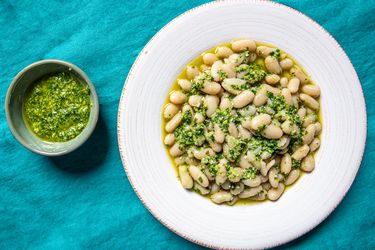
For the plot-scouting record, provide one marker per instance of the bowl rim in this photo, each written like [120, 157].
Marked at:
[90, 127]
[120, 115]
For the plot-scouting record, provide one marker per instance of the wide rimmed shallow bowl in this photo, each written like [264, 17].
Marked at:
[314, 196]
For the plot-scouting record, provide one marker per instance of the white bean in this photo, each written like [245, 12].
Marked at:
[287, 96]
[173, 123]
[272, 79]
[221, 176]
[219, 135]
[308, 163]
[243, 44]
[192, 72]
[215, 188]
[228, 84]
[223, 52]
[273, 177]
[260, 121]
[301, 152]
[198, 117]
[309, 101]
[299, 74]
[286, 64]
[272, 132]
[243, 99]
[200, 153]
[186, 180]
[215, 70]
[309, 134]
[252, 182]
[314, 145]
[170, 110]
[248, 192]
[238, 188]
[209, 58]
[243, 132]
[232, 129]
[264, 51]
[243, 162]
[229, 69]
[311, 90]
[198, 176]
[309, 119]
[175, 150]
[177, 97]
[221, 196]
[235, 177]
[293, 85]
[318, 128]
[195, 100]
[266, 167]
[211, 88]
[272, 65]
[260, 99]
[286, 164]
[200, 189]
[284, 82]
[274, 193]
[169, 139]
[216, 146]
[184, 84]
[212, 103]
[225, 103]
[292, 177]
[301, 112]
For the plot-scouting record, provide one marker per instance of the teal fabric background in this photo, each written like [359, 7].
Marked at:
[84, 200]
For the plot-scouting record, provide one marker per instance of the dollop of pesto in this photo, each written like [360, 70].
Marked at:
[57, 107]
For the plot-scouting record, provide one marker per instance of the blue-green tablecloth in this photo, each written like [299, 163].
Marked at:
[84, 200]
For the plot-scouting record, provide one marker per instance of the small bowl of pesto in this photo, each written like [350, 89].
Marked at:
[52, 107]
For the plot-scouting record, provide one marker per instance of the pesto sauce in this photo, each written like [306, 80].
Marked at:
[57, 107]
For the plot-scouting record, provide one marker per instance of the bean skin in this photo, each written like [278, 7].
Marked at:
[309, 101]
[275, 193]
[272, 65]
[243, 44]
[223, 52]
[186, 180]
[243, 99]
[173, 123]
[221, 197]
[170, 110]
[198, 176]
[192, 72]
[209, 59]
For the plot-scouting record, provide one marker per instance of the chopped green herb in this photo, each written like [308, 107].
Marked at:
[254, 72]
[296, 163]
[249, 173]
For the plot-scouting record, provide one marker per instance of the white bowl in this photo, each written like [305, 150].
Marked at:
[313, 197]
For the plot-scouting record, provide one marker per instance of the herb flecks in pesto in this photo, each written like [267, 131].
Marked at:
[254, 72]
[57, 107]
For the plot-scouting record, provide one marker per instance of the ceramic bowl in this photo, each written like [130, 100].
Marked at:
[313, 197]
[14, 104]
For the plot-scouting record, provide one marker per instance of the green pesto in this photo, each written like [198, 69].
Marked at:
[254, 72]
[57, 107]
[250, 173]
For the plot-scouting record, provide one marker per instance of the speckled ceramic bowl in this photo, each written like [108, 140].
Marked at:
[14, 103]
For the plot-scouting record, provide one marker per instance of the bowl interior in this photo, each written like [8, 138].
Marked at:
[14, 106]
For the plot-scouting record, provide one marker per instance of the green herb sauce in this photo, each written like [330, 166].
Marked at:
[57, 107]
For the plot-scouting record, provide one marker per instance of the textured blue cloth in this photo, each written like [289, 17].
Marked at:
[84, 200]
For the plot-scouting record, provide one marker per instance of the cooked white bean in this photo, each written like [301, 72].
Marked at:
[308, 163]
[215, 188]
[177, 97]
[286, 64]
[272, 132]
[243, 99]
[301, 112]
[175, 150]
[212, 103]
[216, 146]
[264, 51]
[301, 152]
[187, 107]
[198, 117]
[221, 196]
[273, 177]
[229, 69]
[292, 177]
[200, 189]
[318, 128]
[309, 101]
[314, 145]
[225, 103]
[219, 135]
[173, 123]
[260, 121]
[266, 167]
[170, 110]
[309, 134]
[243, 132]
[179, 160]
[169, 139]
[196, 100]
[272, 79]
[228, 84]
[192, 72]
[199, 153]
[286, 164]
[184, 84]
[215, 70]
[204, 67]
[221, 176]
[299, 74]
[311, 90]
[259, 197]
[236, 176]
[198, 176]
[243, 44]
[223, 51]
[260, 99]
[274, 193]
[249, 192]
[252, 182]
[285, 92]
[272, 65]
[232, 129]
[209, 58]
[238, 188]
[287, 127]
[284, 82]
[211, 88]
[268, 88]
[293, 85]
[186, 180]
[243, 162]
